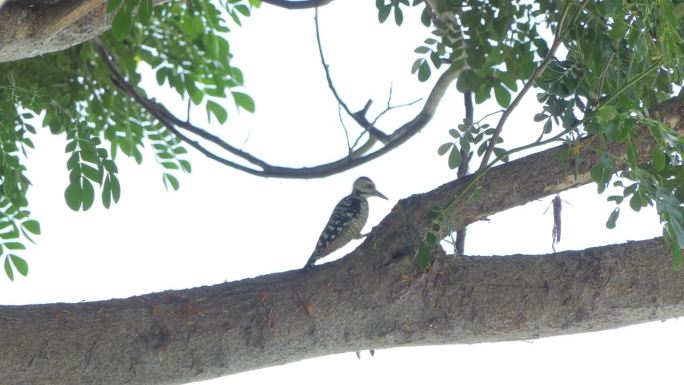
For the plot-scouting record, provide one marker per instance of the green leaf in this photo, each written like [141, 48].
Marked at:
[383, 13]
[632, 155]
[185, 165]
[20, 264]
[169, 165]
[423, 255]
[32, 226]
[116, 188]
[398, 15]
[244, 101]
[635, 202]
[503, 97]
[658, 159]
[112, 4]
[14, 246]
[145, 11]
[673, 244]
[122, 23]
[92, 173]
[170, 179]
[72, 195]
[106, 193]
[612, 218]
[8, 269]
[430, 238]
[422, 50]
[215, 109]
[454, 158]
[616, 198]
[500, 153]
[88, 194]
[424, 71]
[444, 148]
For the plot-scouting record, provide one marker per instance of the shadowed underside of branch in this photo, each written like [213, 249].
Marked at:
[375, 297]
[49, 26]
[190, 335]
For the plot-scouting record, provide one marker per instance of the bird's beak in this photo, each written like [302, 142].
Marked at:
[379, 194]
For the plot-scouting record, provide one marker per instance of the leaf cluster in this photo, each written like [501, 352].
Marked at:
[72, 93]
[619, 59]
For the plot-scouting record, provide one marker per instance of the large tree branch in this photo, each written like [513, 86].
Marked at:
[191, 335]
[26, 32]
[32, 28]
[374, 298]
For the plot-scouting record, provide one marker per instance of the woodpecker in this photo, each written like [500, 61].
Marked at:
[346, 220]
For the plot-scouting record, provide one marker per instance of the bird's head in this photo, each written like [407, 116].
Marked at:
[365, 187]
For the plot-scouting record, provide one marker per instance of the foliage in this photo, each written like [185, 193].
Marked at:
[599, 67]
[72, 92]
[620, 59]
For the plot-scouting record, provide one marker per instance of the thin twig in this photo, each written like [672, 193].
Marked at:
[557, 40]
[389, 108]
[344, 127]
[463, 167]
[360, 116]
[173, 124]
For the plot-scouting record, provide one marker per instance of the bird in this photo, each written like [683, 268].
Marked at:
[346, 221]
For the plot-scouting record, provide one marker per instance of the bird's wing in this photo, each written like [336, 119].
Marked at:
[337, 231]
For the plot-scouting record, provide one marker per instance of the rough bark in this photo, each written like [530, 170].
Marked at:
[30, 28]
[373, 298]
[190, 335]
[28, 31]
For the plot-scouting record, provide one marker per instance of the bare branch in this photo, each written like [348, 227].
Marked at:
[360, 116]
[389, 107]
[344, 127]
[264, 169]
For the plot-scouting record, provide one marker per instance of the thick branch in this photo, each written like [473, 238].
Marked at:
[191, 335]
[374, 298]
[512, 184]
[31, 31]
[28, 31]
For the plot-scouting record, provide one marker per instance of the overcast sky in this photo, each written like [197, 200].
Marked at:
[223, 225]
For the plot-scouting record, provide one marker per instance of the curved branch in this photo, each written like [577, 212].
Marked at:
[359, 116]
[303, 4]
[264, 169]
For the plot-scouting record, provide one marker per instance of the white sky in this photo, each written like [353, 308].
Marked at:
[215, 228]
